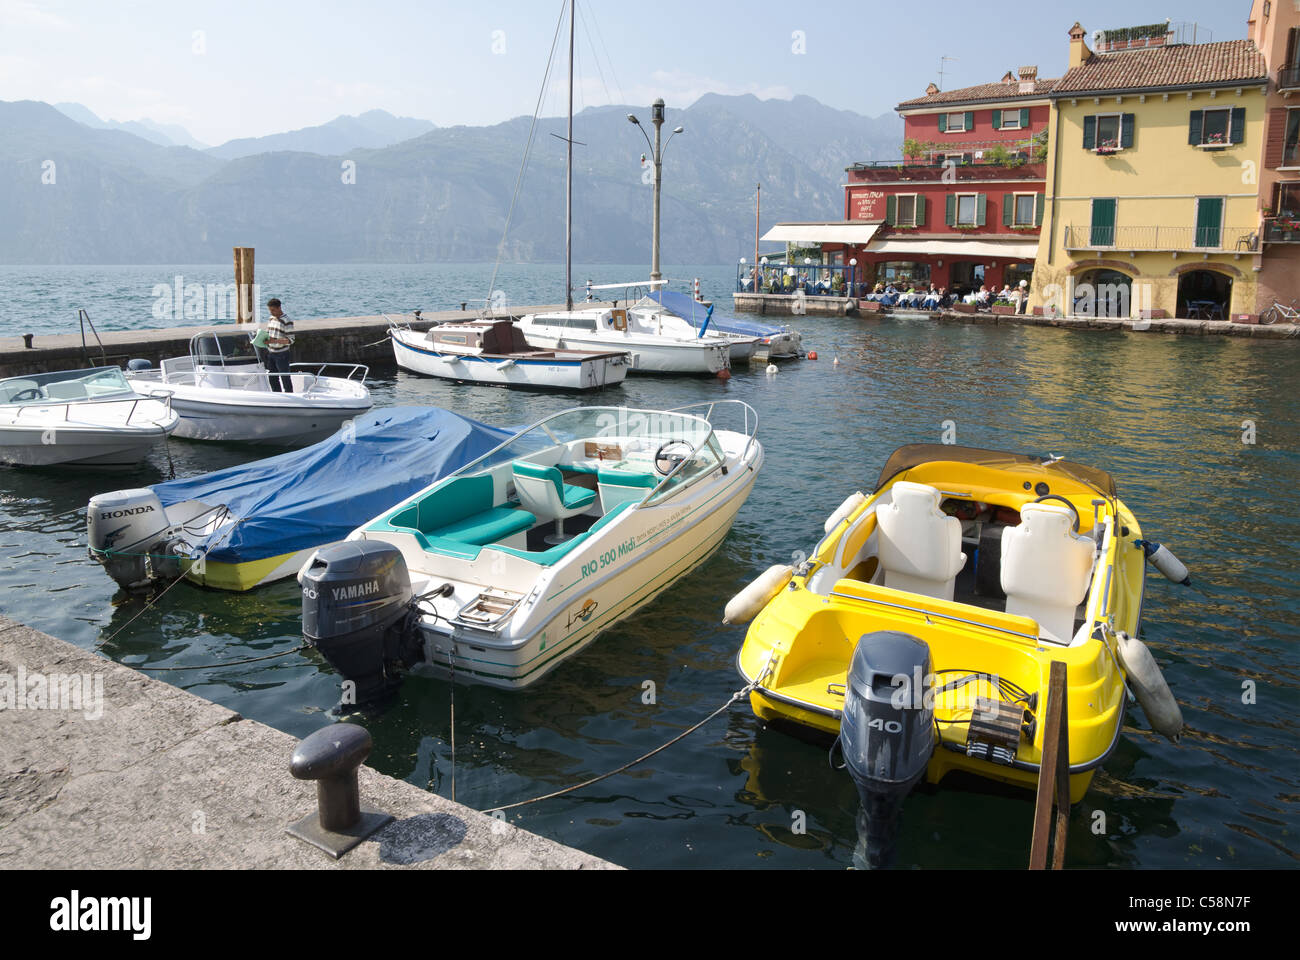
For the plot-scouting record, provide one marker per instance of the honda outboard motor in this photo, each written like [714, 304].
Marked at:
[886, 731]
[356, 609]
[128, 532]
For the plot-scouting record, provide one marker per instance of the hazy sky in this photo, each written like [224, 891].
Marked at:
[235, 68]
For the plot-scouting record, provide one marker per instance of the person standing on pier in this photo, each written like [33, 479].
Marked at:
[279, 343]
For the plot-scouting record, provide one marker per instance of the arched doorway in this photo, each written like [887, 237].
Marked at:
[1204, 295]
[1103, 293]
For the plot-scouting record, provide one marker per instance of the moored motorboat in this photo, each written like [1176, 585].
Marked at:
[494, 352]
[507, 567]
[923, 627]
[775, 342]
[223, 392]
[256, 523]
[88, 417]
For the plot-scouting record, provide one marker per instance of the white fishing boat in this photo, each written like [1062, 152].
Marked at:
[658, 340]
[88, 417]
[516, 562]
[223, 392]
[495, 352]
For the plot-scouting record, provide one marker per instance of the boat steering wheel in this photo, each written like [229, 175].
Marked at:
[31, 393]
[1057, 496]
[664, 456]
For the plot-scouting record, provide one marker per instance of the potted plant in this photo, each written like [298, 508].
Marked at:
[1107, 147]
[1004, 308]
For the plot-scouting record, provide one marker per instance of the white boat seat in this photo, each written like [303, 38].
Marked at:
[543, 492]
[920, 546]
[1046, 569]
[67, 390]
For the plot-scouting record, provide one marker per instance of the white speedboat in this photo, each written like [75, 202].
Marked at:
[508, 566]
[658, 339]
[223, 392]
[494, 352]
[86, 417]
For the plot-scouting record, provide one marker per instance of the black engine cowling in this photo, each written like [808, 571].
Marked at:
[887, 730]
[357, 610]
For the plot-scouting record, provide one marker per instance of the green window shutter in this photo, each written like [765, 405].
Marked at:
[891, 209]
[920, 211]
[997, 119]
[1103, 222]
[1024, 118]
[943, 123]
[1238, 125]
[981, 203]
[950, 214]
[970, 120]
[1089, 133]
[1039, 205]
[1126, 124]
[1008, 203]
[1194, 127]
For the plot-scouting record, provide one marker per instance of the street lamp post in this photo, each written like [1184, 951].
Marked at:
[657, 153]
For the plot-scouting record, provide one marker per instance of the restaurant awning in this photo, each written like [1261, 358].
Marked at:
[1017, 250]
[835, 232]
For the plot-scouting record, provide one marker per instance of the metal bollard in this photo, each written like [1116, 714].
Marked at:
[27, 341]
[331, 756]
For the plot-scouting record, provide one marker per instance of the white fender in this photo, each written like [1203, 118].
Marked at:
[1149, 686]
[505, 364]
[851, 503]
[1163, 559]
[744, 606]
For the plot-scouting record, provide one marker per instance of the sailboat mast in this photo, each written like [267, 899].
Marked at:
[568, 212]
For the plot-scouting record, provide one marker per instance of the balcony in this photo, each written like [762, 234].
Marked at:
[1125, 239]
[924, 172]
[1288, 78]
[1282, 229]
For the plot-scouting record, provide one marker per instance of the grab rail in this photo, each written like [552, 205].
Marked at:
[352, 368]
[708, 416]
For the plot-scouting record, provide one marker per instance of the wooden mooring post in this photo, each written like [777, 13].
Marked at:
[244, 286]
[1052, 807]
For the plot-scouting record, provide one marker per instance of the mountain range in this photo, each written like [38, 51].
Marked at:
[379, 188]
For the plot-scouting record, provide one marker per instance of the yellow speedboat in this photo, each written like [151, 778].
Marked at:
[923, 626]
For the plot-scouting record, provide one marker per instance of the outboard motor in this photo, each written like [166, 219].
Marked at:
[357, 610]
[886, 732]
[128, 532]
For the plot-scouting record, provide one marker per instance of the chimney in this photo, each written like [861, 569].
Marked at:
[1079, 52]
[1028, 78]
[1009, 78]
[931, 90]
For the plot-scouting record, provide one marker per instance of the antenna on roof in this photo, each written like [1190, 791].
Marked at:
[942, 61]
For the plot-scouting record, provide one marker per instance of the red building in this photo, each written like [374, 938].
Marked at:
[965, 205]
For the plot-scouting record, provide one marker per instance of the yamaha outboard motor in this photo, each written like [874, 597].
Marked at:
[357, 610]
[128, 532]
[886, 732]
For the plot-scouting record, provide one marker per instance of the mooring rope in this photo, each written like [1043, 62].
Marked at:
[744, 691]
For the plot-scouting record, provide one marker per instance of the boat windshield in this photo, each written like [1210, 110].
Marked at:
[97, 383]
[912, 455]
[610, 433]
[223, 349]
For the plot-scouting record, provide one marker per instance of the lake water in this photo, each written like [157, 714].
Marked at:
[1164, 414]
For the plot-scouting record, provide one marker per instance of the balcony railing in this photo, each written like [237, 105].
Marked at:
[935, 172]
[1162, 239]
[1282, 230]
[1288, 78]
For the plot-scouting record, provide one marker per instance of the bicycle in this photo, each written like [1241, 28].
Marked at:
[1280, 312]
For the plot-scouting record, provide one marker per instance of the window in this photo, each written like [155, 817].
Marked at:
[903, 271]
[1291, 145]
[1026, 207]
[1209, 222]
[1288, 200]
[1108, 132]
[1103, 222]
[956, 123]
[1214, 128]
[966, 209]
[1010, 120]
[906, 215]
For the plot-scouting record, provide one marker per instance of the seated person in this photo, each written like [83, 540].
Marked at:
[931, 301]
[984, 298]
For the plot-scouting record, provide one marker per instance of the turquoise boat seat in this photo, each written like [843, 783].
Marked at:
[555, 554]
[572, 497]
[458, 518]
[627, 478]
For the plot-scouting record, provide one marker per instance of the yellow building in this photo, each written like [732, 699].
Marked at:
[1152, 178]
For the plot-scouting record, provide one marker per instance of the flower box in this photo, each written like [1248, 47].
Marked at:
[1004, 309]
[870, 306]
[964, 307]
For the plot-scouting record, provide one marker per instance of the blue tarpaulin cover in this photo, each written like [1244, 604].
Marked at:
[314, 496]
[688, 308]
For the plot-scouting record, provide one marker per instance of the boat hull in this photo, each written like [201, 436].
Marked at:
[685, 356]
[412, 353]
[76, 447]
[252, 422]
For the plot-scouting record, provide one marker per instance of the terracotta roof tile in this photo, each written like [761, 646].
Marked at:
[983, 93]
[1179, 65]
